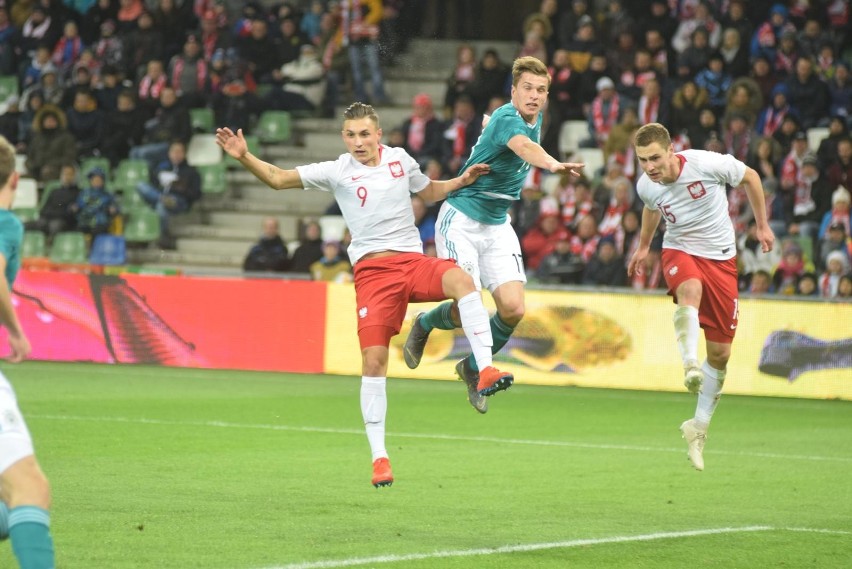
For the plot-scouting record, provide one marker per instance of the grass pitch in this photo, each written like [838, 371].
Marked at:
[172, 468]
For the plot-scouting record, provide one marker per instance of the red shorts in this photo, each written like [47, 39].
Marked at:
[384, 286]
[719, 309]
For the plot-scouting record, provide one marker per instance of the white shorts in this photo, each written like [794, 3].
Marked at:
[491, 254]
[15, 440]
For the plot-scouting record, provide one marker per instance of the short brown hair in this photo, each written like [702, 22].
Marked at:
[361, 111]
[529, 64]
[652, 132]
[7, 160]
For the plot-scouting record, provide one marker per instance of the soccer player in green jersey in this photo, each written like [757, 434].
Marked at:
[474, 228]
[24, 492]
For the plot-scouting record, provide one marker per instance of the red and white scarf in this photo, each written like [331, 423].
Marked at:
[200, 73]
[417, 133]
[149, 89]
[603, 123]
[649, 110]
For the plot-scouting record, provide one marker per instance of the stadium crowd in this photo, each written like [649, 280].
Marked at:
[118, 78]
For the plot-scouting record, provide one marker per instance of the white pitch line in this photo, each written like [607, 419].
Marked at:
[432, 436]
[356, 561]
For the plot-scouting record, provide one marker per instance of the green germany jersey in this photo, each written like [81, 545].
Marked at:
[11, 235]
[489, 198]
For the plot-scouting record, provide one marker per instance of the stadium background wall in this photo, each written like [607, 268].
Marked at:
[589, 339]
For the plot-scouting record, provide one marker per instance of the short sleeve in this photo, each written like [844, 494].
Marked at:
[318, 176]
[506, 126]
[417, 179]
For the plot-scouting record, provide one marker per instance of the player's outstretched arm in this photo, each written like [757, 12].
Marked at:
[18, 341]
[273, 176]
[438, 190]
[650, 221]
[534, 154]
[754, 191]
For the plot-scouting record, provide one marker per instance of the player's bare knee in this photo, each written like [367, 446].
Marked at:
[24, 484]
[512, 312]
[689, 292]
[457, 284]
[374, 363]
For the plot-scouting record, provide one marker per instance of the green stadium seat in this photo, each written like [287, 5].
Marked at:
[46, 191]
[273, 127]
[213, 179]
[8, 86]
[128, 173]
[202, 120]
[130, 200]
[33, 244]
[69, 247]
[142, 226]
[26, 214]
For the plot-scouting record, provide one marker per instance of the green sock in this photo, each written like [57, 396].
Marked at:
[500, 332]
[29, 530]
[4, 521]
[440, 317]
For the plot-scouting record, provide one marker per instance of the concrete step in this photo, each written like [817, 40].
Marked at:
[295, 201]
[214, 232]
[403, 91]
[430, 54]
[180, 259]
[228, 247]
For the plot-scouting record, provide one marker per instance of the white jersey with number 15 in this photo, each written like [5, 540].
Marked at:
[375, 200]
[695, 206]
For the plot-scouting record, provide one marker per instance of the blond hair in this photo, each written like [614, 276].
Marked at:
[529, 64]
[361, 111]
[651, 133]
[7, 160]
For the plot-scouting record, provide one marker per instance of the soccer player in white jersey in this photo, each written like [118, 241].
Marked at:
[689, 190]
[373, 184]
[24, 490]
[474, 228]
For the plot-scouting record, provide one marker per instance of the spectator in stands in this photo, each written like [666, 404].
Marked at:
[736, 136]
[491, 77]
[619, 203]
[303, 83]
[836, 239]
[716, 80]
[598, 69]
[840, 171]
[39, 29]
[541, 239]
[584, 241]
[332, 266]
[211, 37]
[605, 112]
[56, 214]
[129, 13]
[68, 48]
[188, 73]
[463, 75]
[40, 61]
[786, 55]
[807, 285]
[124, 128]
[173, 21]
[839, 213]
[173, 188]
[51, 146]
[771, 117]
[707, 129]
[309, 249]
[763, 74]
[793, 265]
[8, 32]
[424, 219]
[734, 53]
[95, 207]
[561, 266]
[32, 103]
[461, 133]
[764, 157]
[605, 268]
[837, 131]
[844, 288]
[812, 38]
[258, 49]
[144, 43]
[583, 44]
[361, 34]
[686, 105]
[86, 123]
[171, 122]
[108, 88]
[290, 40]
[836, 265]
[10, 116]
[335, 59]
[808, 94]
[95, 15]
[234, 104]
[151, 86]
[761, 283]
[751, 257]
[788, 131]
[564, 102]
[269, 254]
[310, 22]
[423, 131]
[768, 35]
[696, 56]
[569, 21]
[840, 92]
[744, 98]
[812, 197]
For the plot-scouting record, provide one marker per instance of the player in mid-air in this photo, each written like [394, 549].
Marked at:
[24, 490]
[689, 190]
[474, 228]
[373, 184]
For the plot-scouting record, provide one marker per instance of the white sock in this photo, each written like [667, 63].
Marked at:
[374, 408]
[711, 391]
[686, 330]
[476, 327]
